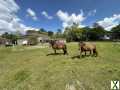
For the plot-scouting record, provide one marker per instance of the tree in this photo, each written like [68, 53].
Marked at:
[59, 31]
[9, 36]
[116, 32]
[50, 33]
[18, 34]
[42, 30]
[58, 34]
[86, 33]
[74, 33]
[5, 35]
[96, 33]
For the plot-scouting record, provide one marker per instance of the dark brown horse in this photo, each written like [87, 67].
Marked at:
[58, 45]
[90, 47]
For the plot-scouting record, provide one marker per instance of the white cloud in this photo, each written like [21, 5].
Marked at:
[31, 13]
[110, 22]
[68, 19]
[9, 21]
[92, 12]
[45, 14]
[8, 6]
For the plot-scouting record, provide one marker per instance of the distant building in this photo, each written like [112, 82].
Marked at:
[41, 38]
[2, 41]
[22, 41]
[106, 37]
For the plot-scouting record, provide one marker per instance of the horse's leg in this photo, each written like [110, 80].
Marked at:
[85, 53]
[90, 52]
[81, 53]
[55, 51]
[65, 50]
[95, 52]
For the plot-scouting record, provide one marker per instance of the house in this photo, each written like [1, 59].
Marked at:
[28, 39]
[43, 38]
[22, 41]
[2, 41]
[105, 37]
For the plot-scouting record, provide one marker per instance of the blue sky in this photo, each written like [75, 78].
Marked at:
[55, 14]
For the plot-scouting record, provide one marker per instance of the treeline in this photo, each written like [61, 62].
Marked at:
[95, 33]
[72, 33]
[75, 33]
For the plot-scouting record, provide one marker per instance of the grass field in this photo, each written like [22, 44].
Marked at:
[37, 69]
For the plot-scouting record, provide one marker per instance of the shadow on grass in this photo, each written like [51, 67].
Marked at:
[52, 54]
[78, 56]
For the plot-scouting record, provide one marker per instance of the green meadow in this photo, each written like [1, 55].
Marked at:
[23, 68]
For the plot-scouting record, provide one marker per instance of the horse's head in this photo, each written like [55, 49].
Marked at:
[81, 43]
[51, 42]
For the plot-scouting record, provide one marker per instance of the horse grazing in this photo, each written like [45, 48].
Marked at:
[86, 46]
[57, 45]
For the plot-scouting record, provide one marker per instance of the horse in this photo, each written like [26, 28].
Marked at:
[86, 46]
[58, 45]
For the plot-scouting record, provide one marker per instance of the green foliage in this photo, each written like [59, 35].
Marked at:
[59, 31]
[116, 29]
[59, 34]
[10, 36]
[43, 31]
[50, 33]
[116, 32]
[96, 33]
[74, 33]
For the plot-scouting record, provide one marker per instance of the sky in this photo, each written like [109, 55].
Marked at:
[22, 15]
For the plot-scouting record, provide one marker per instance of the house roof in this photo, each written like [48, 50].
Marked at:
[36, 35]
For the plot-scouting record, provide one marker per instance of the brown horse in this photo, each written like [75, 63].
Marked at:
[58, 45]
[85, 46]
